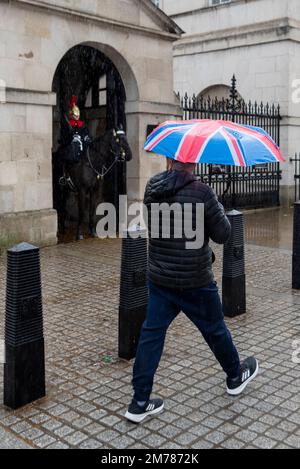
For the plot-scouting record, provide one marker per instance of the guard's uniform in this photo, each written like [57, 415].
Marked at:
[74, 135]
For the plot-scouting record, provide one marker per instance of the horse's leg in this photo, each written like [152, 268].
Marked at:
[63, 212]
[81, 206]
[92, 213]
[58, 192]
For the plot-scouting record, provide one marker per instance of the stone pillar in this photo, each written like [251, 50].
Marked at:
[26, 205]
[139, 116]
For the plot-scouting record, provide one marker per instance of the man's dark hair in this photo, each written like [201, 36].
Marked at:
[179, 166]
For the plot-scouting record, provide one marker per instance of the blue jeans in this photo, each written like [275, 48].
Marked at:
[203, 307]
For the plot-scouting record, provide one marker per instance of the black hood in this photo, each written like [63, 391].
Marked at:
[167, 184]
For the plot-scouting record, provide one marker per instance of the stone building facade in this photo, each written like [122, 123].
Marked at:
[259, 41]
[35, 35]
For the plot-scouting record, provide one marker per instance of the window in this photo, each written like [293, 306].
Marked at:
[102, 91]
[97, 96]
[89, 102]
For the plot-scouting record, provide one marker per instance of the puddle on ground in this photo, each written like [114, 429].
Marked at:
[273, 228]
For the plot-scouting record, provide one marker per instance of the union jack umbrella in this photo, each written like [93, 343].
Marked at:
[214, 142]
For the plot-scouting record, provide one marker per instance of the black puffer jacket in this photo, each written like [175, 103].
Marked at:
[170, 263]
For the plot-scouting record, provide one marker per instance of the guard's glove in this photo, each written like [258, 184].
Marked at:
[87, 140]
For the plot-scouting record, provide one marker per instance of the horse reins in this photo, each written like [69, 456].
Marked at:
[101, 175]
[104, 172]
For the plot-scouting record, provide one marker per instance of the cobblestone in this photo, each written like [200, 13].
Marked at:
[293, 441]
[264, 443]
[216, 437]
[8, 441]
[108, 435]
[32, 434]
[122, 442]
[185, 439]
[233, 443]
[75, 438]
[58, 445]
[247, 436]
[51, 424]
[45, 441]
[90, 444]
[87, 396]
[154, 441]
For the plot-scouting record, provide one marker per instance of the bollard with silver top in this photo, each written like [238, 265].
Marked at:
[296, 247]
[234, 278]
[24, 368]
[133, 291]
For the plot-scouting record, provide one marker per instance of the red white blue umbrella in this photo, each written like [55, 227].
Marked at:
[214, 142]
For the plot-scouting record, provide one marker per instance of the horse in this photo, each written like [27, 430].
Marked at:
[86, 176]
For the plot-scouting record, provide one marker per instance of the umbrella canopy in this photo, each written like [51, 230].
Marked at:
[214, 142]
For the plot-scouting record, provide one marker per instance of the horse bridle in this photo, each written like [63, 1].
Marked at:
[101, 175]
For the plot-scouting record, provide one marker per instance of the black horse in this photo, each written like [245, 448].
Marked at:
[86, 176]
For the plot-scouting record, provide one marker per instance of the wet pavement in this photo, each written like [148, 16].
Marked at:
[272, 228]
[88, 386]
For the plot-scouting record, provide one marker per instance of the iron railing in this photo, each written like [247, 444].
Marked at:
[254, 187]
[296, 161]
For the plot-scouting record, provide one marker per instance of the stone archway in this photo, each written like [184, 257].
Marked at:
[216, 91]
[126, 73]
[88, 73]
[93, 78]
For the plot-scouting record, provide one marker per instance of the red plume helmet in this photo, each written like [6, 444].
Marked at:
[73, 102]
[74, 109]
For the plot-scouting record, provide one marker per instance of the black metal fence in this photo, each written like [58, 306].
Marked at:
[254, 187]
[296, 161]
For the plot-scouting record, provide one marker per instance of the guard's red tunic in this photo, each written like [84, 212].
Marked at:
[76, 124]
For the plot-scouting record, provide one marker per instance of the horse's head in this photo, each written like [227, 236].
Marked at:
[120, 146]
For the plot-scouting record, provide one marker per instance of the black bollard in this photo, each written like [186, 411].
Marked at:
[133, 292]
[296, 247]
[234, 278]
[24, 368]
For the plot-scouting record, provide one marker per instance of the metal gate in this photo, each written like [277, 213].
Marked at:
[255, 187]
[296, 160]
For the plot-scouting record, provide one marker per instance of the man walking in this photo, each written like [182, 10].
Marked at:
[181, 279]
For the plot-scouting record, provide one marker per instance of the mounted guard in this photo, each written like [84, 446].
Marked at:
[82, 165]
[75, 137]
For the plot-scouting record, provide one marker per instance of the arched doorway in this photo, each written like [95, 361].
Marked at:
[218, 92]
[92, 77]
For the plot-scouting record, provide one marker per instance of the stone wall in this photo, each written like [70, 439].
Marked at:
[38, 226]
[33, 40]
